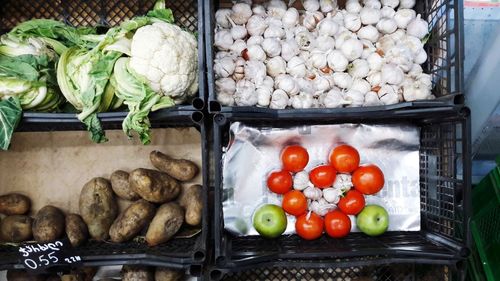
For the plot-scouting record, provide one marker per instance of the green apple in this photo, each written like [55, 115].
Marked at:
[373, 220]
[270, 221]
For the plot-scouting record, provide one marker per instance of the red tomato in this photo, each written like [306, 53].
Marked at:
[352, 203]
[337, 224]
[311, 228]
[323, 176]
[280, 182]
[344, 158]
[294, 203]
[294, 158]
[368, 179]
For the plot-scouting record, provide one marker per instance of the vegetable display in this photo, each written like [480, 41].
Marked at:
[324, 197]
[367, 53]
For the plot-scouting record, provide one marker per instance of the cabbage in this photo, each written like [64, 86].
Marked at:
[10, 114]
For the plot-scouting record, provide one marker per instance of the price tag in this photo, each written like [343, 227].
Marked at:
[40, 256]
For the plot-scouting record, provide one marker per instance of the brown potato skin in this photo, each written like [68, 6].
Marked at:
[16, 228]
[14, 204]
[48, 224]
[131, 221]
[191, 200]
[167, 274]
[166, 223]
[98, 207]
[137, 273]
[179, 169]
[121, 186]
[76, 230]
[21, 275]
[154, 186]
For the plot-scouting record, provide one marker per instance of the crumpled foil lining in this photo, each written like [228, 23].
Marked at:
[253, 152]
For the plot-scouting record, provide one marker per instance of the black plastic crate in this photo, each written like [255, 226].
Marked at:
[182, 253]
[188, 15]
[444, 50]
[345, 270]
[444, 186]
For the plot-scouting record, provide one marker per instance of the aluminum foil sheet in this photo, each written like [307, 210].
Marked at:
[253, 152]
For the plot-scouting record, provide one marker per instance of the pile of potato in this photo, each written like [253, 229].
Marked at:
[128, 273]
[159, 202]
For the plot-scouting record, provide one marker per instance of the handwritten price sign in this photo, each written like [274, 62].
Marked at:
[37, 257]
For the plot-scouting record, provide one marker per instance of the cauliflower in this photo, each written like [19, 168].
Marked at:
[167, 57]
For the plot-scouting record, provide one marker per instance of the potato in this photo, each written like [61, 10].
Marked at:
[21, 275]
[121, 186]
[167, 274]
[76, 229]
[191, 200]
[16, 228]
[165, 224]
[154, 186]
[14, 204]
[137, 273]
[98, 207]
[131, 221]
[48, 224]
[180, 169]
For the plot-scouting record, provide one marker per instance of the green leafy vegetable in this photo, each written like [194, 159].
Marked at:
[10, 114]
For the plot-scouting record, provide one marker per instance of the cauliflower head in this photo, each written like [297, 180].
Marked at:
[167, 57]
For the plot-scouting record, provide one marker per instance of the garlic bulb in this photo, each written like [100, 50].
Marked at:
[259, 10]
[337, 61]
[313, 193]
[225, 99]
[342, 80]
[327, 6]
[352, 49]
[289, 49]
[223, 39]
[306, 86]
[268, 82]
[374, 4]
[255, 71]
[238, 46]
[264, 96]
[321, 207]
[385, 43]
[368, 48]
[406, 4]
[415, 70]
[290, 18]
[361, 85]
[302, 101]
[239, 70]
[352, 22]
[334, 99]
[369, 15]
[332, 195]
[272, 47]
[371, 99]
[391, 74]
[369, 33]
[353, 6]
[390, 3]
[222, 54]
[404, 16]
[311, 20]
[418, 28]
[387, 26]
[421, 57]
[245, 93]
[328, 27]
[343, 182]
[387, 12]
[224, 67]
[296, 67]
[301, 180]
[324, 43]
[241, 13]
[225, 89]
[274, 21]
[318, 59]
[255, 40]
[374, 78]
[256, 25]
[311, 5]
[413, 44]
[288, 84]
[276, 9]
[375, 61]
[237, 31]
[304, 39]
[279, 100]
[322, 83]
[221, 18]
[398, 35]
[276, 66]
[388, 94]
[359, 68]
[342, 37]
[254, 52]
[401, 56]
[274, 31]
[414, 90]
[355, 98]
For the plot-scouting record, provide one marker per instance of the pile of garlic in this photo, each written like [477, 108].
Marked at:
[275, 56]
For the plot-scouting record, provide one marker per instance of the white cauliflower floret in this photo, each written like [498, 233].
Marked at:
[167, 57]
[343, 182]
